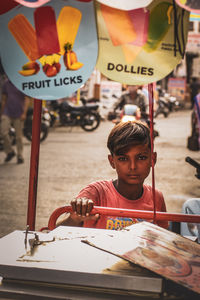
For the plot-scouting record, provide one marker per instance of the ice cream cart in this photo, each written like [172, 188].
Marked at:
[139, 262]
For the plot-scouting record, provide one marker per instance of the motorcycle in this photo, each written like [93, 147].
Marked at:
[117, 106]
[163, 106]
[174, 104]
[167, 103]
[86, 116]
[45, 124]
[130, 112]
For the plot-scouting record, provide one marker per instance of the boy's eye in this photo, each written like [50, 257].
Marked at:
[142, 157]
[122, 158]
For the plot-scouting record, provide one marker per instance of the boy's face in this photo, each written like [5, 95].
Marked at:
[134, 165]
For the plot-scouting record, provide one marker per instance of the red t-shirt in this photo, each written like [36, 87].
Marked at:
[103, 193]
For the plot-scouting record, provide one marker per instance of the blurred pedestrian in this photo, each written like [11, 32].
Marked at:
[194, 86]
[14, 105]
[197, 112]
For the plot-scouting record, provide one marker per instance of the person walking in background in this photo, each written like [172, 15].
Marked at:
[14, 105]
[194, 86]
[197, 114]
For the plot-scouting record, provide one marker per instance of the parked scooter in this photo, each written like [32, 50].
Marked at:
[86, 116]
[174, 103]
[163, 107]
[167, 103]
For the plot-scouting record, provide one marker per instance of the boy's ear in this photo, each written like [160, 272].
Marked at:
[110, 158]
[155, 157]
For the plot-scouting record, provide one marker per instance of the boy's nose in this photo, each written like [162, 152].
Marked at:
[133, 164]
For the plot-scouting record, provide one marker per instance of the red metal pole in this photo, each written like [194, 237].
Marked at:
[144, 214]
[34, 163]
[151, 104]
[131, 213]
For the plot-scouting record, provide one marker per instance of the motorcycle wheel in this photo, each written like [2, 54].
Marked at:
[90, 121]
[43, 133]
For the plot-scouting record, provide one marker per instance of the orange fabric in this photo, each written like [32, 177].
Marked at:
[103, 193]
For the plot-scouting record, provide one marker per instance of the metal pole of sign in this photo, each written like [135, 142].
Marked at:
[34, 163]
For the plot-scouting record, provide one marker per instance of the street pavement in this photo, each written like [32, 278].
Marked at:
[70, 158]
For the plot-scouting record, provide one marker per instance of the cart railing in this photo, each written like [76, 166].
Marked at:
[131, 213]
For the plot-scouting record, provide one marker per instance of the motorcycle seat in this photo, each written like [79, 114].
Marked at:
[92, 106]
[84, 107]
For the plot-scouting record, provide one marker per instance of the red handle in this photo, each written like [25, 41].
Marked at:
[131, 213]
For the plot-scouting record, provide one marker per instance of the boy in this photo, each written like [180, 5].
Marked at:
[130, 155]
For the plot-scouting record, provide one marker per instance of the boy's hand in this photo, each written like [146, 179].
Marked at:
[82, 208]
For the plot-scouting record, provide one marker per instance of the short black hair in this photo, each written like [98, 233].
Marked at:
[126, 134]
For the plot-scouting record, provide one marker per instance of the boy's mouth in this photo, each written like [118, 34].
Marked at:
[133, 175]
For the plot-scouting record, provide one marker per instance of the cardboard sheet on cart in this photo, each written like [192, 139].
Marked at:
[63, 258]
[156, 249]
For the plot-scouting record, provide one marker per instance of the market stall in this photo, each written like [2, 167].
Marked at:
[135, 43]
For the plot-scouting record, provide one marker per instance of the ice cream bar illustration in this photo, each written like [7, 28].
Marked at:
[119, 25]
[25, 35]
[159, 23]
[46, 30]
[140, 21]
[68, 23]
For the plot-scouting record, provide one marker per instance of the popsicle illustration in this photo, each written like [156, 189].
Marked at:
[119, 25]
[140, 20]
[25, 35]
[46, 30]
[67, 25]
[159, 23]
